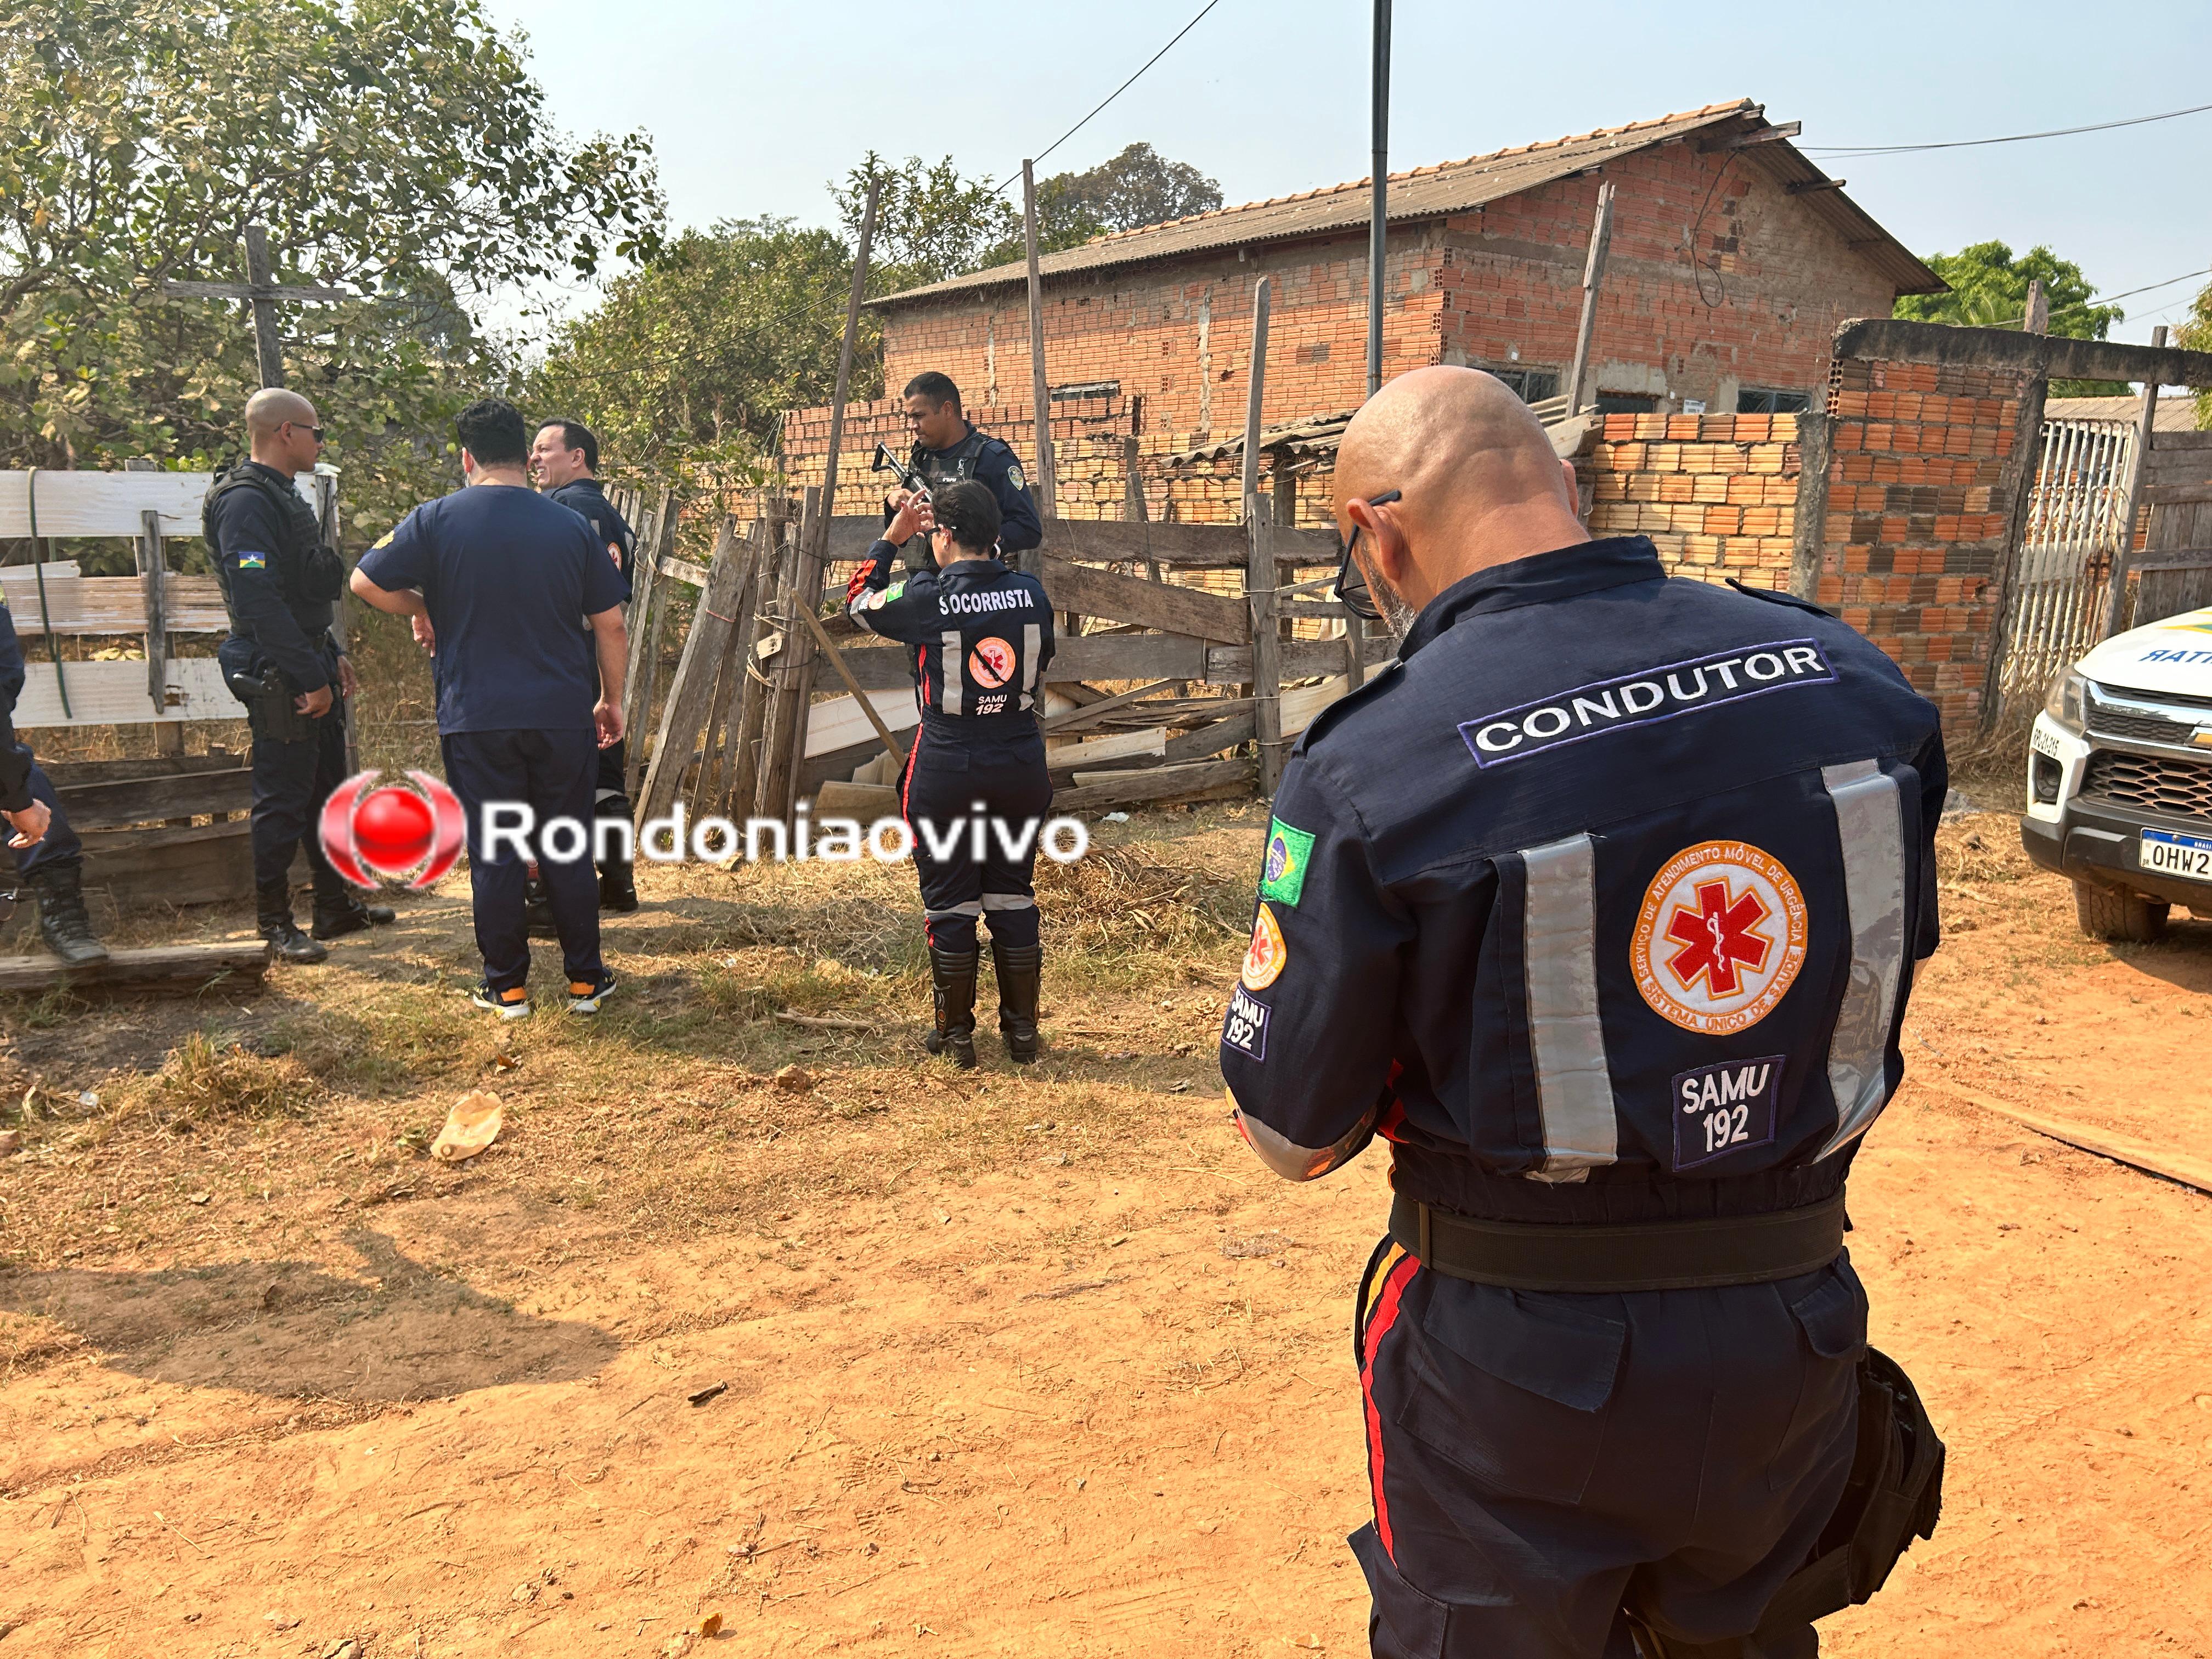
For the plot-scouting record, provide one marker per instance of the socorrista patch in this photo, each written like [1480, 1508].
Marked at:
[1644, 697]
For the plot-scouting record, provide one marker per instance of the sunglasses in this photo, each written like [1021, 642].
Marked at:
[314, 432]
[1352, 589]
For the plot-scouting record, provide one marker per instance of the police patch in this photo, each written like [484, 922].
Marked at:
[252, 562]
[1246, 1028]
[1266, 958]
[1723, 1108]
[1644, 698]
[1289, 852]
[1014, 475]
[1720, 938]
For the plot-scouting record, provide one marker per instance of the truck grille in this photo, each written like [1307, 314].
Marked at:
[2156, 783]
[2143, 728]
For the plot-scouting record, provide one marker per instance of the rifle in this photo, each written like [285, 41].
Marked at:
[885, 461]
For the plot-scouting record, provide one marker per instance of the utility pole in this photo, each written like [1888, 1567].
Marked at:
[1378, 214]
[1048, 477]
[262, 292]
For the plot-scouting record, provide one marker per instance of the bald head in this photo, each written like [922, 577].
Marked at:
[282, 430]
[1478, 480]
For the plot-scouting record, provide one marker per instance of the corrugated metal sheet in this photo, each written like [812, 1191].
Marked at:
[1438, 192]
[2175, 413]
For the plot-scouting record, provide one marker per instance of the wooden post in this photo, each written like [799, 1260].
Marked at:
[2038, 320]
[1259, 578]
[1378, 213]
[1593, 274]
[1134, 507]
[326, 521]
[1048, 477]
[692, 688]
[755, 692]
[646, 607]
[153, 567]
[845, 351]
[837, 661]
[268, 346]
[1257, 388]
[773, 797]
[2124, 555]
[713, 744]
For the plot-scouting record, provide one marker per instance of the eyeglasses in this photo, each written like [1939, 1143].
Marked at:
[1352, 589]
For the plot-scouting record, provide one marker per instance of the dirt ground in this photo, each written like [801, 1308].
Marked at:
[1007, 1363]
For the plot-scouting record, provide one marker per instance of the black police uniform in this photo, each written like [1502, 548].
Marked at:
[281, 584]
[982, 636]
[1601, 906]
[992, 464]
[52, 867]
[610, 796]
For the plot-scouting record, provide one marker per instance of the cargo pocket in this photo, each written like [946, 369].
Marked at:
[1406, 1623]
[1831, 1319]
[1513, 1388]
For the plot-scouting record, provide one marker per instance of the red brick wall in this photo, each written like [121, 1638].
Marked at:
[1917, 519]
[1716, 494]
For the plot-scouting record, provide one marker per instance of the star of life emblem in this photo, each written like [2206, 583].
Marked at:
[1720, 938]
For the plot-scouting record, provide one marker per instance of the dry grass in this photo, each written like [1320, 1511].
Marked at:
[209, 1078]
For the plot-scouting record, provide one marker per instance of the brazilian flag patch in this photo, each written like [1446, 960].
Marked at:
[893, 591]
[1283, 878]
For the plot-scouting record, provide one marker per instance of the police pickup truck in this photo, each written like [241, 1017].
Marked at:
[2119, 779]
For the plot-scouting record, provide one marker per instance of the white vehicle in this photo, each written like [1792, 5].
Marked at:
[2119, 779]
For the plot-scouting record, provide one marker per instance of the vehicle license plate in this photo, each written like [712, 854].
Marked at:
[2169, 854]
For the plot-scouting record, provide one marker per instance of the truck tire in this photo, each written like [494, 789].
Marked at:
[2115, 915]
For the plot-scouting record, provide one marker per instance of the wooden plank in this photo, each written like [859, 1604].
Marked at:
[1095, 656]
[186, 795]
[1160, 785]
[1593, 279]
[676, 565]
[69, 774]
[730, 672]
[2187, 558]
[1077, 718]
[1164, 606]
[782, 735]
[1119, 541]
[115, 604]
[693, 686]
[1116, 746]
[1267, 651]
[1231, 664]
[862, 702]
[2116, 586]
[647, 608]
[114, 692]
[2195, 493]
[837, 723]
[89, 504]
[239, 965]
[1212, 738]
[209, 865]
[2180, 1166]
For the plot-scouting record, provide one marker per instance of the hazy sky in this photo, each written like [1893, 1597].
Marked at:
[753, 107]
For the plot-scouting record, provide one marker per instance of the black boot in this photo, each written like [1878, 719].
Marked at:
[274, 900]
[952, 989]
[618, 888]
[338, 913]
[1020, 968]
[62, 920]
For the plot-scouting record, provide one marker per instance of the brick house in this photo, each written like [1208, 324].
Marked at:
[1733, 260]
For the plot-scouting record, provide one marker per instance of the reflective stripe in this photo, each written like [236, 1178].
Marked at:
[973, 908]
[1008, 901]
[1574, 1085]
[949, 701]
[1871, 833]
[1032, 647]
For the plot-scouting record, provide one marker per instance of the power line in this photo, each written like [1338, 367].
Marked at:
[1111, 96]
[2086, 305]
[2010, 138]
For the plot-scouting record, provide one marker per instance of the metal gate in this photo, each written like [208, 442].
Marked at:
[2066, 550]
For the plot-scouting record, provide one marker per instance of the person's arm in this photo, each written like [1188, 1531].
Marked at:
[1019, 526]
[1305, 1046]
[392, 574]
[611, 639]
[398, 602]
[247, 535]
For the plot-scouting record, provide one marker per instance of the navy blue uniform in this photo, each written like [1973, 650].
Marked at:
[992, 464]
[22, 780]
[506, 574]
[1601, 908]
[610, 796]
[262, 538]
[982, 637]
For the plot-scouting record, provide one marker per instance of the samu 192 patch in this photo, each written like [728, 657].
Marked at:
[1282, 877]
[1723, 1108]
[1246, 1028]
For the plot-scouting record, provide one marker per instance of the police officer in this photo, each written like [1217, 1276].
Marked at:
[565, 456]
[1601, 906]
[982, 637]
[281, 584]
[48, 855]
[947, 447]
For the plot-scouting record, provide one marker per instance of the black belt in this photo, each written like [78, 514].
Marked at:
[1643, 1255]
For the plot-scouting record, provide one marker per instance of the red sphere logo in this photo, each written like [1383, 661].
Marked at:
[391, 831]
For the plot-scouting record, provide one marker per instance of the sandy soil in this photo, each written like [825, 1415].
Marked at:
[1009, 1363]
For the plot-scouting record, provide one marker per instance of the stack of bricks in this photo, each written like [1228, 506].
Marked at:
[1716, 494]
[1918, 517]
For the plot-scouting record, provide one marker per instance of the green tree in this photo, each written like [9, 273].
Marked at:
[931, 223]
[1138, 187]
[685, 366]
[2196, 335]
[395, 147]
[1988, 289]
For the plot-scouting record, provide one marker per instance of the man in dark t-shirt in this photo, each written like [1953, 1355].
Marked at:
[526, 699]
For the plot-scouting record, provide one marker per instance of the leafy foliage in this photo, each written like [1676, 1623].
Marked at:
[931, 223]
[395, 147]
[1988, 289]
[1138, 187]
[2196, 335]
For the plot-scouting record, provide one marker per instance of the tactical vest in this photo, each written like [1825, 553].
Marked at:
[310, 574]
[939, 467]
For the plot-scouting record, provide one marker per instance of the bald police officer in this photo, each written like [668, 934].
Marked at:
[947, 448]
[1601, 906]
